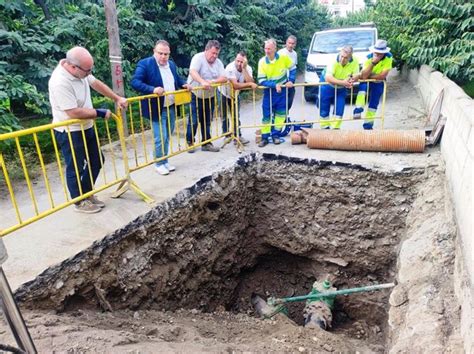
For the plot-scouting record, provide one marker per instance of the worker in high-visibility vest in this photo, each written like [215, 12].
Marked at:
[377, 67]
[275, 74]
[340, 76]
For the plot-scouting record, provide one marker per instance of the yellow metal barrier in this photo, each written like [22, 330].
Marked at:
[49, 192]
[140, 147]
[308, 113]
[54, 182]
[149, 122]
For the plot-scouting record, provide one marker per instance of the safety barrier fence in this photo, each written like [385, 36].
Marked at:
[303, 113]
[160, 128]
[160, 122]
[45, 182]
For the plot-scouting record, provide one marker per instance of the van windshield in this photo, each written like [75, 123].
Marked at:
[332, 42]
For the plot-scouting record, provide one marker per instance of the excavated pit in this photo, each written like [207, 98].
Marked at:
[270, 225]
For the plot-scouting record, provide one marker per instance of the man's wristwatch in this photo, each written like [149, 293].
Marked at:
[101, 113]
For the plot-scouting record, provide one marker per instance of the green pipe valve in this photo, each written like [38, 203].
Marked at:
[326, 295]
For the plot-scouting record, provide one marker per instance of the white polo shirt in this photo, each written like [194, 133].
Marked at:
[207, 71]
[68, 92]
[231, 72]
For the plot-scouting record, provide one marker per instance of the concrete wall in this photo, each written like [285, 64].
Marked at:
[457, 148]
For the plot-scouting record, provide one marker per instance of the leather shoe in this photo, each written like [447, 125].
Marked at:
[210, 147]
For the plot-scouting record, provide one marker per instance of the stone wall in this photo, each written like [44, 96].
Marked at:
[457, 148]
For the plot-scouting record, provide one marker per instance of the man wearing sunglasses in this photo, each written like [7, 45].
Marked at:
[70, 98]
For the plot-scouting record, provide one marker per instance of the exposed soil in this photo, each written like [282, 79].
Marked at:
[270, 225]
[179, 278]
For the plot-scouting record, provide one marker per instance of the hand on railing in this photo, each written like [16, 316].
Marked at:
[253, 85]
[206, 85]
[347, 83]
[158, 91]
[121, 102]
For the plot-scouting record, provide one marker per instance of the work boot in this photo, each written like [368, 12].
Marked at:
[368, 126]
[276, 140]
[85, 206]
[94, 200]
[358, 112]
[263, 143]
[210, 147]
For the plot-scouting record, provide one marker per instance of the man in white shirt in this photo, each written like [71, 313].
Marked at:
[239, 74]
[204, 71]
[70, 98]
[158, 74]
[289, 50]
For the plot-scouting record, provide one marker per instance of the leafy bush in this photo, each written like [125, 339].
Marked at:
[434, 32]
[439, 33]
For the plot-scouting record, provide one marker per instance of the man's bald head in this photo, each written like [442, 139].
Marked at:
[80, 56]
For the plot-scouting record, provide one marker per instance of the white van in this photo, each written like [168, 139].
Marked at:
[325, 47]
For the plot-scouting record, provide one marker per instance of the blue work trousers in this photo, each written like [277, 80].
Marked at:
[274, 112]
[375, 92]
[329, 95]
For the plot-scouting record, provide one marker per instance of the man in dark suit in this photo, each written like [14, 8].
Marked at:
[157, 75]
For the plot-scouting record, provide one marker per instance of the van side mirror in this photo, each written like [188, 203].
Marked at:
[304, 52]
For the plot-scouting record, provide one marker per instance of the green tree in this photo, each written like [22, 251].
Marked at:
[434, 32]
[35, 34]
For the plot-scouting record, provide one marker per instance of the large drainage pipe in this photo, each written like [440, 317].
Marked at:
[364, 140]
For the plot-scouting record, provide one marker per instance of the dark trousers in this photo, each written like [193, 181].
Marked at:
[291, 97]
[79, 147]
[227, 110]
[201, 113]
